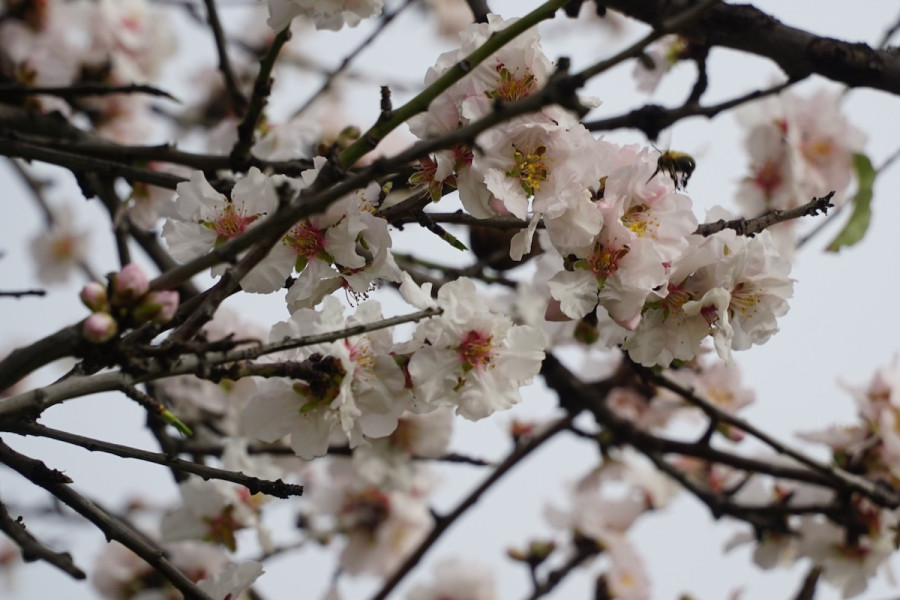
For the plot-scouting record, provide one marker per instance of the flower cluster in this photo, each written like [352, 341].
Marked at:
[620, 231]
[108, 42]
[126, 301]
[799, 148]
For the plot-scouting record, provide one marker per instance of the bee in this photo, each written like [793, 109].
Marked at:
[679, 166]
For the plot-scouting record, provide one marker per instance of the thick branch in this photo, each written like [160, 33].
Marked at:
[798, 53]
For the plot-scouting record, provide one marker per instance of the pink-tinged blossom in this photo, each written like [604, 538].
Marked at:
[232, 581]
[657, 60]
[158, 306]
[129, 284]
[512, 73]
[389, 462]
[212, 511]
[618, 270]
[94, 296]
[381, 527]
[326, 14]
[627, 577]
[346, 246]
[455, 579]
[354, 386]
[206, 219]
[846, 565]
[800, 148]
[121, 574]
[550, 163]
[58, 251]
[474, 359]
[729, 287]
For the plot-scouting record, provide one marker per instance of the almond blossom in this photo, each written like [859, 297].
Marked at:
[472, 359]
[729, 287]
[57, 252]
[353, 386]
[212, 511]
[205, 218]
[381, 527]
[455, 579]
[326, 14]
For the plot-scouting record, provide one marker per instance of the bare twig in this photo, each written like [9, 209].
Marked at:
[58, 484]
[33, 549]
[443, 522]
[278, 488]
[332, 75]
[750, 227]
[237, 99]
[14, 92]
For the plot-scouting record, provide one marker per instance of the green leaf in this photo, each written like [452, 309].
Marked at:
[859, 221]
[175, 422]
[453, 241]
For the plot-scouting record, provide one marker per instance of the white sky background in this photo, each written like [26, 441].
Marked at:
[843, 324]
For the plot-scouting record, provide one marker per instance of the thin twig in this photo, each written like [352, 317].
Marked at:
[115, 529]
[444, 522]
[278, 488]
[237, 99]
[33, 549]
[331, 76]
[240, 153]
[750, 227]
[15, 92]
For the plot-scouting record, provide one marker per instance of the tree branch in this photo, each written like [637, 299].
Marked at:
[58, 484]
[33, 549]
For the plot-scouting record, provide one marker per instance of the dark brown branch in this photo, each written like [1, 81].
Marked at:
[16, 92]
[22, 293]
[240, 154]
[750, 227]
[115, 529]
[237, 99]
[797, 52]
[651, 119]
[33, 549]
[278, 488]
[77, 163]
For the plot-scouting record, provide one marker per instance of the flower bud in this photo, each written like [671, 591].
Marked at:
[100, 327]
[158, 307]
[93, 295]
[129, 284]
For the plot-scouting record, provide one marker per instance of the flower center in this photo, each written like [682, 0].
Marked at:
[230, 223]
[476, 350]
[530, 169]
[511, 88]
[365, 510]
[305, 239]
[744, 299]
[767, 178]
[604, 261]
[638, 219]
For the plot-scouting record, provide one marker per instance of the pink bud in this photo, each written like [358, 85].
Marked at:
[129, 284]
[93, 295]
[99, 327]
[158, 307]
